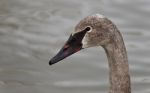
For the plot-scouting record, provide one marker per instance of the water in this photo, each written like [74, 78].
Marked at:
[32, 31]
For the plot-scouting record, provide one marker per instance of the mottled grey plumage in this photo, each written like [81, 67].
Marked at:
[105, 33]
[97, 30]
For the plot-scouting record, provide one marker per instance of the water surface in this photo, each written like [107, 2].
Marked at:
[33, 31]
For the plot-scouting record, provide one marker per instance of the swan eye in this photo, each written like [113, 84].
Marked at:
[88, 29]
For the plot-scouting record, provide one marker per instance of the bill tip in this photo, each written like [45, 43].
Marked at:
[50, 63]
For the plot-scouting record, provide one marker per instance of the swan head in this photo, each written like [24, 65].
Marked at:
[99, 30]
[94, 30]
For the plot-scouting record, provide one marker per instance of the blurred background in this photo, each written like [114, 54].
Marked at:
[33, 31]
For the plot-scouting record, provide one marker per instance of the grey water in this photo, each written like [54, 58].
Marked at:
[33, 31]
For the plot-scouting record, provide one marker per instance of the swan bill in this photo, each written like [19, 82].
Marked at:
[72, 46]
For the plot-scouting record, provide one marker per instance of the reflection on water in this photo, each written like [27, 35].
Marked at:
[32, 31]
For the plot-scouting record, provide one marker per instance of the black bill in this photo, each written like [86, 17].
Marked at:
[71, 46]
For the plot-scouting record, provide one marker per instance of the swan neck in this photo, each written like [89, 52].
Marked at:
[118, 65]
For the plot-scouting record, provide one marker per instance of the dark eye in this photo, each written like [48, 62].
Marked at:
[87, 28]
